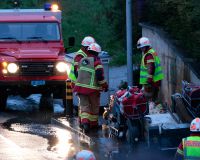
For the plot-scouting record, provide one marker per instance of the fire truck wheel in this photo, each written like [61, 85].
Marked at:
[3, 100]
[46, 103]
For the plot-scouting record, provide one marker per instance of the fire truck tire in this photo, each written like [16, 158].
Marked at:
[3, 100]
[46, 103]
[133, 132]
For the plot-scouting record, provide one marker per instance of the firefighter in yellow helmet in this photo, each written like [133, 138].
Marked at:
[90, 82]
[189, 148]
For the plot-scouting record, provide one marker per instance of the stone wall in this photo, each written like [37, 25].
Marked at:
[175, 67]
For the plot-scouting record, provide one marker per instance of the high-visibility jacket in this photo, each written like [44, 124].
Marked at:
[191, 148]
[86, 74]
[144, 75]
[72, 75]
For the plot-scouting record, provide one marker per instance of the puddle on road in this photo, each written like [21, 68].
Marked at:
[66, 144]
[59, 140]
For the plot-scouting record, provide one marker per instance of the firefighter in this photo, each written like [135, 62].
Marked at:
[150, 70]
[189, 148]
[85, 155]
[80, 54]
[90, 81]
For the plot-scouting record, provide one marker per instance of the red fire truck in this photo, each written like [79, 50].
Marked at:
[32, 54]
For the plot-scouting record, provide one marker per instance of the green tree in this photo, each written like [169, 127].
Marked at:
[181, 18]
[102, 19]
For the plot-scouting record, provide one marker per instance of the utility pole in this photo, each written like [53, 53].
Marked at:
[129, 42]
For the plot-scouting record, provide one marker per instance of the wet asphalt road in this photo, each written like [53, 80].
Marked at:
[63, 144]
[36, 134]
[37, 138]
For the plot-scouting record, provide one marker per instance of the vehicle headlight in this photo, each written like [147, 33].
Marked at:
[12, 68]
[62, 67]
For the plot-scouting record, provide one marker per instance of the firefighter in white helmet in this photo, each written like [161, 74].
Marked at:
[90, 82]
[80, 54]
[85, 155]
[189, 148]
[143, 42]
[150, 70]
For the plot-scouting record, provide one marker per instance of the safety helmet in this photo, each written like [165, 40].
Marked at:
[143, 42]
[195, 125]
[94, 47]
[87, 41]
[85, 155]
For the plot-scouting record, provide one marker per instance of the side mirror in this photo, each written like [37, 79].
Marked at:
[71, 41]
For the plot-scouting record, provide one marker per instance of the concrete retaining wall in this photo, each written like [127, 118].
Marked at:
[174, 65]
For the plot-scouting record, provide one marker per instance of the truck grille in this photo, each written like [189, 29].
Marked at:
[36, 68]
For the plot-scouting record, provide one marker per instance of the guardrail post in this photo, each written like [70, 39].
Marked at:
[69, 99]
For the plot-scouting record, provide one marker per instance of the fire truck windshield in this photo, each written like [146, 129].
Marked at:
[29, 31]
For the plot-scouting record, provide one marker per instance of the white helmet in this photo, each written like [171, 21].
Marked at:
[85, 155]
[195, 125]
[143, 42]
[94, 47]
[87, 41]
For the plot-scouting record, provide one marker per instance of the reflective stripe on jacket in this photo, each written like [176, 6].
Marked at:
[144, 75]
[72, 73]
[88, 117]
[86, 74]
[191, 147]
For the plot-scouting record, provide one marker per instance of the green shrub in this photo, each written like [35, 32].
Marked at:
[181, 18]
[103, 19]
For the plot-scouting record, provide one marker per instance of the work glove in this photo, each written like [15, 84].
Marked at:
[105, 87]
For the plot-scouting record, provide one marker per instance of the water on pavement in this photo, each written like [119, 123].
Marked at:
[65, 143]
